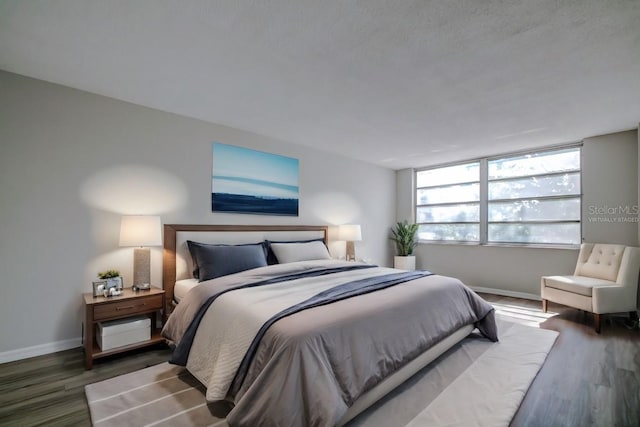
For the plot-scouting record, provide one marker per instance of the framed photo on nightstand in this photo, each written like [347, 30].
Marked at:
[99, 286]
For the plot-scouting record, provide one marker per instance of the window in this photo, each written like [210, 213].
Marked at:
[448, 203]
[535, 198]
[532, 198]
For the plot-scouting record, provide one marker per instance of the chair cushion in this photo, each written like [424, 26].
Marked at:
[600, 261]
[575, 284]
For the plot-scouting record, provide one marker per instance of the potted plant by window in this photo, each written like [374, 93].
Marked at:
[404, 234]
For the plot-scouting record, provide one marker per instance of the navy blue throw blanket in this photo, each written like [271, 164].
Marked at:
[337, 293]
[181, 352]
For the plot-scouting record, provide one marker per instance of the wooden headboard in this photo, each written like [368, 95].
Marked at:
[175, 261]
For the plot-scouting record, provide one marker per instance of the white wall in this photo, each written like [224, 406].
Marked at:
[610, 187]
[609, 180]
[71, 163]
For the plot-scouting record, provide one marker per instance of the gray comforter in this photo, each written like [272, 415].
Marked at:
[310, 366]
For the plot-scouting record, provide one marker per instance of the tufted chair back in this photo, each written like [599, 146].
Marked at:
[599, 261]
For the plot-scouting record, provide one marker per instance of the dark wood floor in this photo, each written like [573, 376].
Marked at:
[49, 390]
[587, 380]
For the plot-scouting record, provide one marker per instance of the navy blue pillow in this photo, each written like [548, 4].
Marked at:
[211, 261]
[271, 257]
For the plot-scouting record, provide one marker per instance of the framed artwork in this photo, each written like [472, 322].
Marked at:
[253, 182]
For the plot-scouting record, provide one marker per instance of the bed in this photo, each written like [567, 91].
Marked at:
[308, 341]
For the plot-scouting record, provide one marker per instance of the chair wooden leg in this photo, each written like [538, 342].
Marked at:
[544, 305]
[596, 321]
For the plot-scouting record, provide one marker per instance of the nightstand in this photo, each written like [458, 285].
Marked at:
[129, 304]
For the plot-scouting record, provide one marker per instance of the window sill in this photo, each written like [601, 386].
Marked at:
[500, 245]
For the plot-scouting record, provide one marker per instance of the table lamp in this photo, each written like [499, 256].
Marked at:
[141, 231]
[350, 233]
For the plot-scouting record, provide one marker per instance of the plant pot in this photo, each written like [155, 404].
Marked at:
[404, 262]
[115, 282]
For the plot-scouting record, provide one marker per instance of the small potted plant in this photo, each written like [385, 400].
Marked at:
[404, 234]
[113, 278]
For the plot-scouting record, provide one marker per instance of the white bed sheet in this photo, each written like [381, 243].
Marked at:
[182, 287]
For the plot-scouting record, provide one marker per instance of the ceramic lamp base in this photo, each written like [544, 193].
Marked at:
[141, 266]
[351, 251]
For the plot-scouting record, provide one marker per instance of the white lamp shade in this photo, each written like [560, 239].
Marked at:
[350, 233]
[140, 230]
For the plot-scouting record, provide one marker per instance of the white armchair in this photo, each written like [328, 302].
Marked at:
[605, 281]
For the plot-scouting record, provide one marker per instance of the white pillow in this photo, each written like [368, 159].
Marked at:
[292, 252]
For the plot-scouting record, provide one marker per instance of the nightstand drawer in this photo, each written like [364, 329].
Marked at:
[127, 307]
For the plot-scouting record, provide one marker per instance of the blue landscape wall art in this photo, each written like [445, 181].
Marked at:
[254, 182]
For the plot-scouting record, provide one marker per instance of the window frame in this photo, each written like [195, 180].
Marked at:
[484, 201]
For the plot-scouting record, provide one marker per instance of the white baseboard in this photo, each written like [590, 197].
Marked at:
[39, 350]
[513, 294]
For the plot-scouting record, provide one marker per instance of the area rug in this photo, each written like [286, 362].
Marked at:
[475, 383]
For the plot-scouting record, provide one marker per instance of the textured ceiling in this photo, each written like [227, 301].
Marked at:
[395, 83]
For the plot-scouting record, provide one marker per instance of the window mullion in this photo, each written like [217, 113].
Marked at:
[484, 196]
